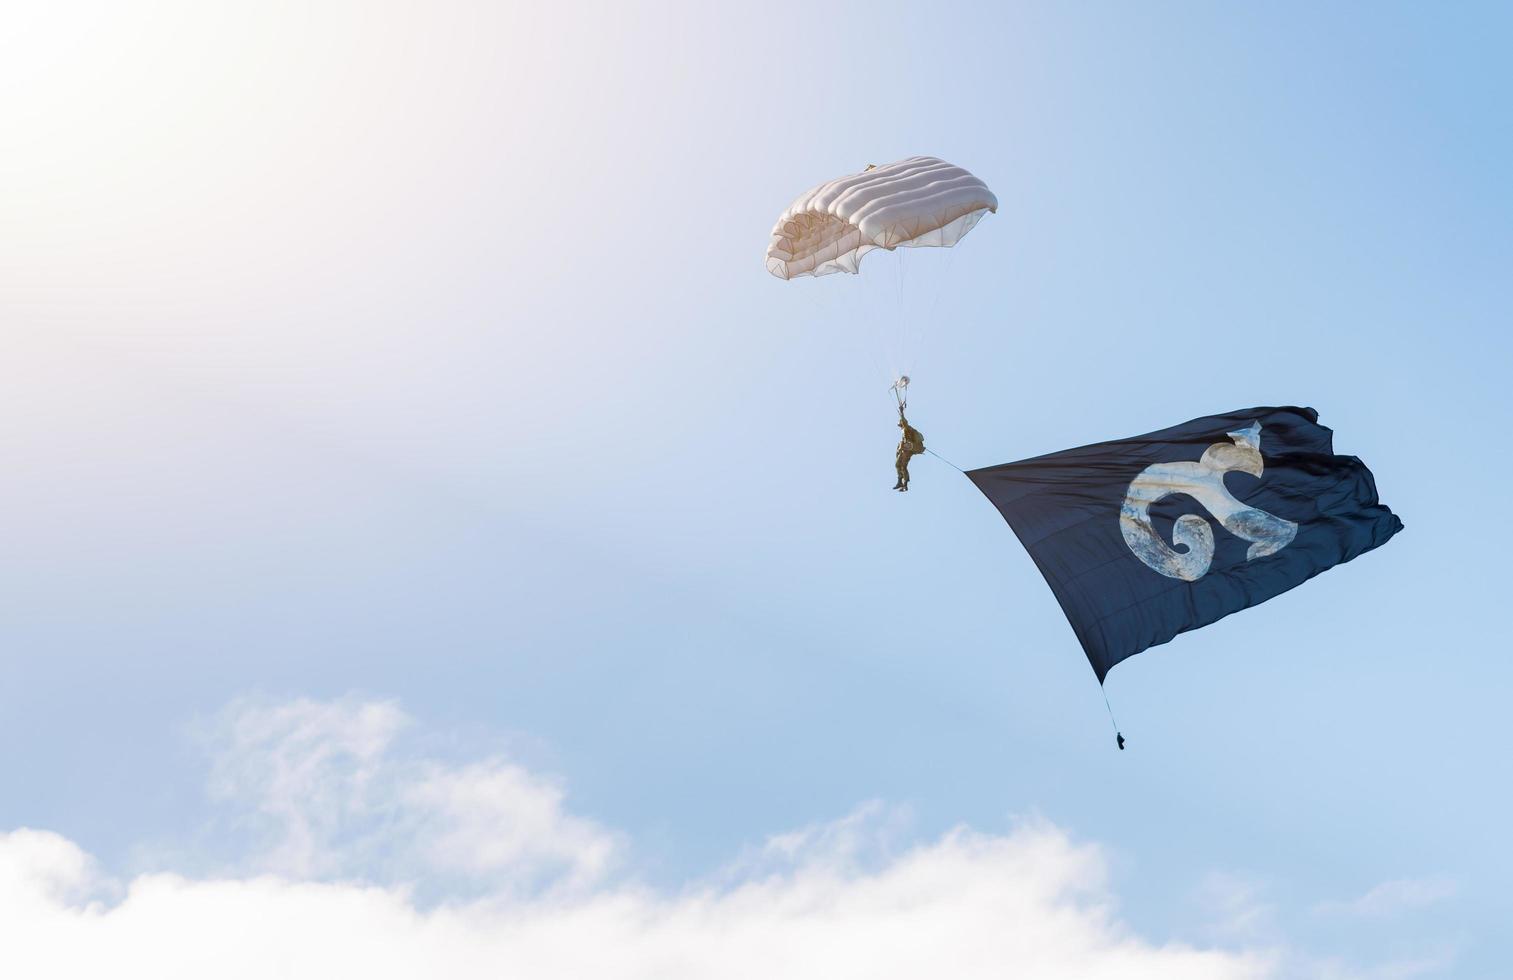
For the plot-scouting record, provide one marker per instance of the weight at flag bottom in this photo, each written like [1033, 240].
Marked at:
[1144, 538]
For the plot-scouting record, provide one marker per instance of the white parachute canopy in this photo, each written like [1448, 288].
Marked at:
[918, 201]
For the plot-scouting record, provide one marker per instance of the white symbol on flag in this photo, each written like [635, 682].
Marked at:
[1204, 482]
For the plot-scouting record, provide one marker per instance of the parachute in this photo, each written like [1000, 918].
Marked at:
[916, 202]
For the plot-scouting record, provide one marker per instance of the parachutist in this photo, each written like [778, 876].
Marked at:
[910, 444]
[1121, 741]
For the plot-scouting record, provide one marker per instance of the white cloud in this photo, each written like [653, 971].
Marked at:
[1235, 908]
[36, 864]
[347, 821]
[1030, 903]
[1438, 962]
[1392, 898]
[304, 770]
[867, 835]
[495, 817]
[328, 790]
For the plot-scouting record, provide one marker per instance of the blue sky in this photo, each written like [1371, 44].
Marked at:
[423, 357]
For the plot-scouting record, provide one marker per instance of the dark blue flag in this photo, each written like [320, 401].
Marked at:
[1144, 538]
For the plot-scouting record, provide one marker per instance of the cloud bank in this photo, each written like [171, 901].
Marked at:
[351, 832]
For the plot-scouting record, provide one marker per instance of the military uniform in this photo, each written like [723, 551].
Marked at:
[909, 445]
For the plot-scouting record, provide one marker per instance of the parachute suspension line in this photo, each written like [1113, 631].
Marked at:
[940, 285]
[866, 334]
[900, 316]
[881, 311]
[825, 313]
[857, 319]
[864, 340]
[820, 300]
[1118, 735]
[929, 322]
[874, 313]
